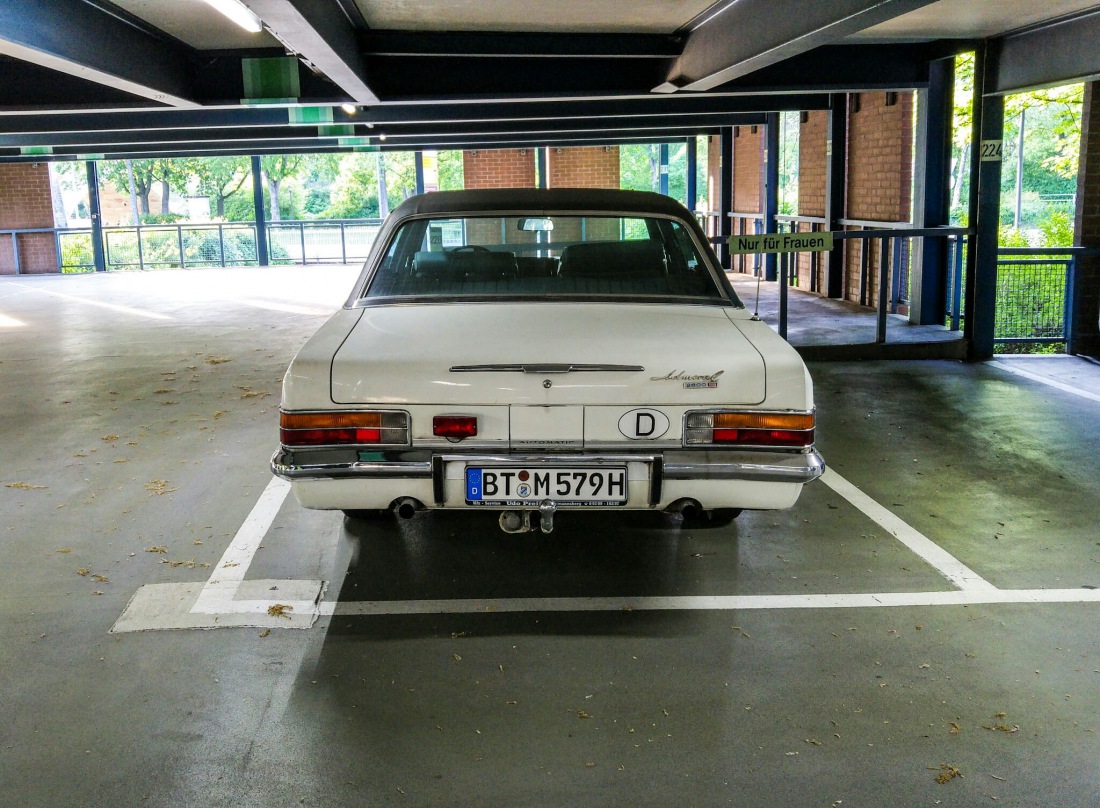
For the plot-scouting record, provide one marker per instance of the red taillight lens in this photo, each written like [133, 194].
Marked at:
[454, 426]
[343, 428]
[779, 429]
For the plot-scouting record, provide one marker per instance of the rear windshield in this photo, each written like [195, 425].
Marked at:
[544, 256]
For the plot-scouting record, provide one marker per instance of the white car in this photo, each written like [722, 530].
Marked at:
[533, 351]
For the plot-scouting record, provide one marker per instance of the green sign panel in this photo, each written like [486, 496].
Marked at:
[781, 243]
[271, 78]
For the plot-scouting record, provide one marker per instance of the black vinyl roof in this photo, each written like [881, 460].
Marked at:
[541, 200]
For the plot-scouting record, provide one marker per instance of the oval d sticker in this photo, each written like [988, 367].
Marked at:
[644, 424]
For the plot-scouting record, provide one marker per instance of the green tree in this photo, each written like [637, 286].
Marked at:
[277, 170]
[450, 171]
[220, 178]
[355, 189]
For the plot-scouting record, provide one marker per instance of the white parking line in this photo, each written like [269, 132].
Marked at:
[152, 315]
[218, 593]
[955, 597]
[946, 564]
[227, 599]
[1035, 377]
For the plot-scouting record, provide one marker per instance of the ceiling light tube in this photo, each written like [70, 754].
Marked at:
[239, 13]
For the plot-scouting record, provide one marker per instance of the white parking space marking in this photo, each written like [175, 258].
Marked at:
[1035, 377]
[152, 315]
[287, 308]
[954, 597]
[218, 594]
[228, 600]
[946, 564]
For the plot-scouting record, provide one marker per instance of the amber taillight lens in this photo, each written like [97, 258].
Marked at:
[747, 428]
[343, 428]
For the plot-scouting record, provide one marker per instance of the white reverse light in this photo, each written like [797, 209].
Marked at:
[239, 13]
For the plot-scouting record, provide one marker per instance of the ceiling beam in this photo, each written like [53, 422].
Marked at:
[526, 45]
[739, 37]
[80, 39]
[188, 140]
[1047, 55]
[320, 32]
[610, 111]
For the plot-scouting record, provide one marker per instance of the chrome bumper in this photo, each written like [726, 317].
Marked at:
[772, 467]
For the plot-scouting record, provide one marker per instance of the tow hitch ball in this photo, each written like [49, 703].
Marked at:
[521, 522]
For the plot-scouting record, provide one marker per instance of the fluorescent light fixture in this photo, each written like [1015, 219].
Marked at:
[239, 13]
[350, 109]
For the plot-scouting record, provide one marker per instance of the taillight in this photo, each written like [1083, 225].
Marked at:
[779, 429]
[344, 428]
[454, 426]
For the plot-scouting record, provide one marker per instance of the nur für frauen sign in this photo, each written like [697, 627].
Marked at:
[781, 243]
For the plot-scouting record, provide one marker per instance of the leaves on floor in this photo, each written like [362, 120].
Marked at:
[280, 610]
[947, 773]
[25, 486]
[159, 487]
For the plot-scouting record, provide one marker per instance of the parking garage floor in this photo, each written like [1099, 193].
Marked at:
[921, 629]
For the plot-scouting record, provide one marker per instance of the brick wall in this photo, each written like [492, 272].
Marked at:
[747, 165]
[714, 180]
[880, 175]
[812, 172]
[583, 167]
[27, 202]
[498, 168]
[1087, 225]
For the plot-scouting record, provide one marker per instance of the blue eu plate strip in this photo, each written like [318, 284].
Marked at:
[473, 484]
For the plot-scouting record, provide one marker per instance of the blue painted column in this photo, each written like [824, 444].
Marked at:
[418, 165]
[261, 219]
[662, 169]
[725, 182]
[690, 169]
[771, 190]
[836, 182]
[928, 282]
[985, 207]
[95, 211]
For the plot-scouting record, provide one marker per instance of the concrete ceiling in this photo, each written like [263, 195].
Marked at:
[165, 77]
[968, 19]
[566, 16]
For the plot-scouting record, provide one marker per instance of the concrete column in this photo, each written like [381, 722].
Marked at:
[1085, 301]
[985, 206]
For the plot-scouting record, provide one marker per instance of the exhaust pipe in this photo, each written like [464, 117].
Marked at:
[687, 508]
[406, 507]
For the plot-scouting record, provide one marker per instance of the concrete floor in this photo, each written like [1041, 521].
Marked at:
[813, 657]
[827, 329]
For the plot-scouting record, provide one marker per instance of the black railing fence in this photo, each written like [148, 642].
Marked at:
[180, 246]
[1034, 285]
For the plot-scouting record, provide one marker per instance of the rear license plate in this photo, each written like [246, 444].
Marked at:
[518, 487]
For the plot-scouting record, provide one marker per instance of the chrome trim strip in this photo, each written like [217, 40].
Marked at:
[802, 467]
[770, 468]
[544, 368]
[283, 466]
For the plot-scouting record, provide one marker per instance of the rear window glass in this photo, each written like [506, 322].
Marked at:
[543, 256]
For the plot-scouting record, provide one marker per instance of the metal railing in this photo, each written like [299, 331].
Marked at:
[814, 262]
[1033, 295]
[200, 245]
